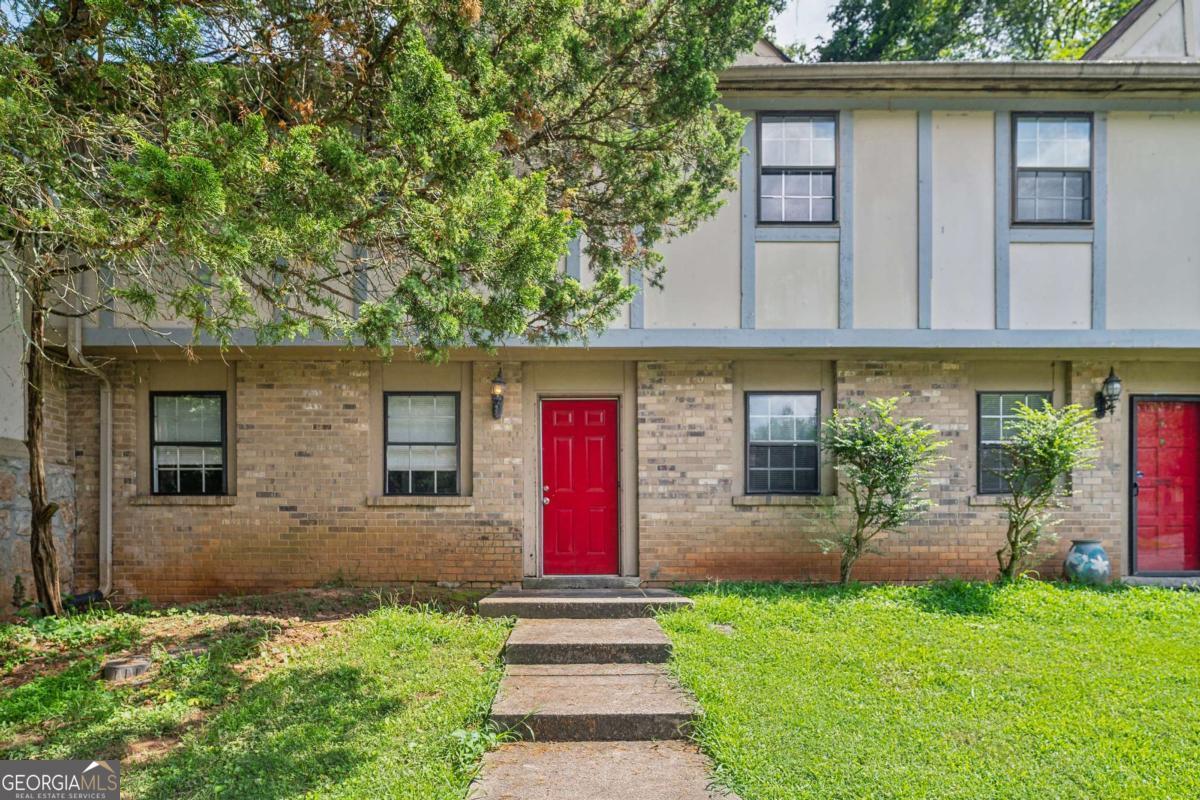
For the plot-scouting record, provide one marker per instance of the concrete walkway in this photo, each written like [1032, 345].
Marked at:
[586, 689]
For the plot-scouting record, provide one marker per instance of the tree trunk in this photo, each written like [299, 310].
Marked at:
[1008, 563]
[43, 554]
[844, 568]
[850, 556]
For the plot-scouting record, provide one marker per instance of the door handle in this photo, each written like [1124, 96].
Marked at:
[545, 501]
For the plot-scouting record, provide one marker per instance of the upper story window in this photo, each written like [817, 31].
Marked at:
[781, 443]
[798, 161]
[421, 443]
[997, 414]
[1053, 168]
[187, 443]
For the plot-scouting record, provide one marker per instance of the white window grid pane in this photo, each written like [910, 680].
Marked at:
[1053, 195]
[796, 194]
[187, 418]
[1054, 142]
[442, 460]
[421, 418]
[802, 418]
[799, 141]
[999, 409]
[176, 459]
[779, 478]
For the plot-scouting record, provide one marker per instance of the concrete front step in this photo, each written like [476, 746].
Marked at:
[595, 771]
[581, 582]
[592, 702]
[637, 640]
[579, 603]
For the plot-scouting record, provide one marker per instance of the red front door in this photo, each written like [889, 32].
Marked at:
[579, 487]
[1168, 485]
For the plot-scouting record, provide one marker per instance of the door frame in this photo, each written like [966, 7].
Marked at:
[542, 397]
[1132, 478]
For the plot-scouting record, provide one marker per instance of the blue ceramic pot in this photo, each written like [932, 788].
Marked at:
[1088, 563]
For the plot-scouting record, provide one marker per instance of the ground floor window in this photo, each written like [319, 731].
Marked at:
[421, 431]
[997, 415]
[782, 453]
[187, 443]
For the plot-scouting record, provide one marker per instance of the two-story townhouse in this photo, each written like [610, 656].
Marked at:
[971, 235]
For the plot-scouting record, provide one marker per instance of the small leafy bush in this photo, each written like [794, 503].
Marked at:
[1044, 446]
[883, 463]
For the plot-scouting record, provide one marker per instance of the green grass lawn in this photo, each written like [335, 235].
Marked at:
[1031, 690]
[355, 699]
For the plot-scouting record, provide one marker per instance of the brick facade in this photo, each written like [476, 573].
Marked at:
[691, 529]
[302, 517]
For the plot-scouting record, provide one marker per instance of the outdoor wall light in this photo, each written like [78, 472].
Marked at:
[1110, 392]
[498, 394]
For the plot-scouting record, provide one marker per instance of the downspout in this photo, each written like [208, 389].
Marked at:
[105, 549]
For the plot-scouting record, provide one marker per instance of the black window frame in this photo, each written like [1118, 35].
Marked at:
[155, 443]
[816, 445]
[458, 481]
[833, 170]
[1089, 172]
[980, 447]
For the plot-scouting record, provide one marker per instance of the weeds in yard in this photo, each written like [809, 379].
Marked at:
[370, 697]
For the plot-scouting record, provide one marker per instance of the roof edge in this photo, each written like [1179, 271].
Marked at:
[1111, 76]
[1114, 33]
[778, 50]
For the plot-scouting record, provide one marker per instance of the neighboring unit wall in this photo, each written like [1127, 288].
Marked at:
[14, 496]
[1154, 238]
[1153, 30]
[12, 366]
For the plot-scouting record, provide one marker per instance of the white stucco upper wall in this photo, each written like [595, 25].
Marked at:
[926, 243]
[1154, 221]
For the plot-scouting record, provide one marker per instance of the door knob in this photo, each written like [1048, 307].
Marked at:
[545, 501]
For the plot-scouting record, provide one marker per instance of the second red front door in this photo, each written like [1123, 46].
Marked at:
[579, 487]
[1168, 485]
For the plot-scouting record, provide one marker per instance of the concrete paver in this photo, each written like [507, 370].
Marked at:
[596, 771]
[635, 640]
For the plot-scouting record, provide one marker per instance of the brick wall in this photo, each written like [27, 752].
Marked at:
[1097, 507]
[83, 405]
[300, 517]
[691, 529]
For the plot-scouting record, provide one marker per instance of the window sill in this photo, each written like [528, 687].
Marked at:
[987, 500]
[755, 500]
[183, 500]
[797, 232]
[418, 501]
